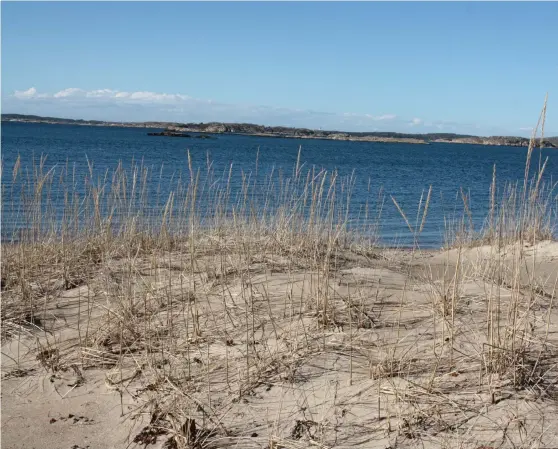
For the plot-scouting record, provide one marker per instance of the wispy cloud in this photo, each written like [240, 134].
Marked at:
[117, 105]
[23, 94]
[74, 93]
[181, 107]
[70, 92]
[386, 117]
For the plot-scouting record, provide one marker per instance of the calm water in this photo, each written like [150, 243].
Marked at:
[402, 170]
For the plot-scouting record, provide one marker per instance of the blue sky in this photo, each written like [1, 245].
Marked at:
[480, 68]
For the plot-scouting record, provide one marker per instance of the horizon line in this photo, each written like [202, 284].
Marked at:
[266, 126]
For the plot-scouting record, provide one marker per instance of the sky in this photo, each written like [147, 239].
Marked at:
[479, 68]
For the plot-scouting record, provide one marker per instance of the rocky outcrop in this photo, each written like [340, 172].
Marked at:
[173, 133]
[168, 133]
[500, 141]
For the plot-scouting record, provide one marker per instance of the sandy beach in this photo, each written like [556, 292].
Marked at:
[256, 345]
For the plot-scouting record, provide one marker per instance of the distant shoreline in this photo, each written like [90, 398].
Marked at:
[248, 129]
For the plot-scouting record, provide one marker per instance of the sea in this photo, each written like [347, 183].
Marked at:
[393, 172]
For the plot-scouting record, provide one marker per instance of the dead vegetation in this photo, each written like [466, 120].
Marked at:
[264, 321]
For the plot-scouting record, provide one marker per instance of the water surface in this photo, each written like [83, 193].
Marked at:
[401, 170]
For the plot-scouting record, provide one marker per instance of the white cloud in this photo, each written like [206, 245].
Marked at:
[155, 97]
[147, 96]
[70, 92]
[117, 105]
[100, 93]
[381, 117]
[74, 93]
[23, 94]
[526, 128]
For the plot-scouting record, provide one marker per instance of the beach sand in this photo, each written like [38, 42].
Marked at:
[260, 349]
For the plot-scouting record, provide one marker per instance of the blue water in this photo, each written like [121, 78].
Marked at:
[401, 170]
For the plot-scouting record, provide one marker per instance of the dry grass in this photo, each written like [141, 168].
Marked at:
[260, 319]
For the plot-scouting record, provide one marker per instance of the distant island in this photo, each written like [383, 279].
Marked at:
[248, 129]
[170, 133]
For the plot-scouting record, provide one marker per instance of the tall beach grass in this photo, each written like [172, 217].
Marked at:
[179, 293]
